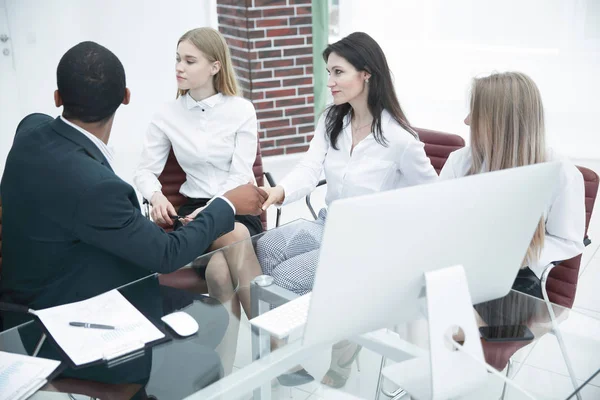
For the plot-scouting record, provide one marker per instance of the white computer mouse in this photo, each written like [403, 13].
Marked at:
[182, 323]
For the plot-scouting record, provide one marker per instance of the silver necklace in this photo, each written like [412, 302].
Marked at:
[360, 127]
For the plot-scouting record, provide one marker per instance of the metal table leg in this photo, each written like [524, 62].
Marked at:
[263, 294]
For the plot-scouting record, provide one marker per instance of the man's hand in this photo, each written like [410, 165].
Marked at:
[162, 209]
[247, 199]
[276, 196]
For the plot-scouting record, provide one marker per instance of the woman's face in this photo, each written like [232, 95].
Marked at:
[345, 82]
[193, 69]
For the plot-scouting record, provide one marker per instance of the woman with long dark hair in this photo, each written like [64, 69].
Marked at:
[364, 144]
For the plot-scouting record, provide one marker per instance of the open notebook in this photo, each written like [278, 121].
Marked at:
[21, 376]
[133, 331]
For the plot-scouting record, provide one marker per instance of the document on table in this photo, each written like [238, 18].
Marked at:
[21, 376]
[86, 345]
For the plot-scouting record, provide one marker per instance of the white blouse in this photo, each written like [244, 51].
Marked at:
[565, 212]
[214, 141]
[370, 168]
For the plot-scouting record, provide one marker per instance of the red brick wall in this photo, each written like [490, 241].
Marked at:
[271, 47]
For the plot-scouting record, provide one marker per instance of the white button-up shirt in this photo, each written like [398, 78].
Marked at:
[565, 212]
[369, 168]
[106, 152]
[214, 141]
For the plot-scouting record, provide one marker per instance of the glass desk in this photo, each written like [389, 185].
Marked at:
[229, 359]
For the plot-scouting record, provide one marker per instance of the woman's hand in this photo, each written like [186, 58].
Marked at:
[276, 196]
[190, 217]
[162, 209]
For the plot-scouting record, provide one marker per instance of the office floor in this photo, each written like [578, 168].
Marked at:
[537, 366]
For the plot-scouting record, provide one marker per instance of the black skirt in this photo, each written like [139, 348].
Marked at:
[253, 223]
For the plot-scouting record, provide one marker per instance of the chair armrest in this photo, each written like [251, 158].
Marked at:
[544, 281]
[146, 205]
[308, 204]
[271, 181]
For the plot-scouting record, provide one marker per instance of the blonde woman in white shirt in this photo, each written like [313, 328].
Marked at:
[213, 133]
[364, 144]
[507, 131]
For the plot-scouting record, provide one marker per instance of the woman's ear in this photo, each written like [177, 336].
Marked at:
[366, 76]
[216, 67]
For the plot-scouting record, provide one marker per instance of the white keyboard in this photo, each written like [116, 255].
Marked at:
[285, 319]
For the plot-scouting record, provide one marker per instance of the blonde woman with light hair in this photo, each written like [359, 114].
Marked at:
[507, 131]
[213, 134]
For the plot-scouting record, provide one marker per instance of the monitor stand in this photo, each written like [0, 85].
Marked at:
[444, 373]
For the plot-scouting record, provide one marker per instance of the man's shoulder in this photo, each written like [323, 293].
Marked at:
[50, 161]
[32, 122]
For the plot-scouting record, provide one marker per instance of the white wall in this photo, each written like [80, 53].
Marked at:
[143, 34]
[435, 47]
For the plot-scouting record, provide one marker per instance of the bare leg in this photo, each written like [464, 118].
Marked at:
[342, 355]
[220, 287]
[242, 262]
[219, 282]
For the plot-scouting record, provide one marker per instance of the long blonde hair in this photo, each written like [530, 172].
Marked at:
[507, 131]
[212, 44]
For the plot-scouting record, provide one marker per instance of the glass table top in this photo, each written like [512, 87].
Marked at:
[230, 359]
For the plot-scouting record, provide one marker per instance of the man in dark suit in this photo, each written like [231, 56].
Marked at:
[72, 229]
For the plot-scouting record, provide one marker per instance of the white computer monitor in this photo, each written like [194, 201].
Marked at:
[376, 248]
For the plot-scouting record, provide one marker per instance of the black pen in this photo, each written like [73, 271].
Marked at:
[88, 325]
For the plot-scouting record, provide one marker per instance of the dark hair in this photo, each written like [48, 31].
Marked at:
[363, 52]
[91, 83]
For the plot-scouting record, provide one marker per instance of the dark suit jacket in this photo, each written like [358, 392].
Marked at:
[73, 229]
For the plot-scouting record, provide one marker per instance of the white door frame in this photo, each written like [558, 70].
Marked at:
[10, 110]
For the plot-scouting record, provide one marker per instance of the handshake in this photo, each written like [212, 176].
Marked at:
[251, 200]
[247, 200]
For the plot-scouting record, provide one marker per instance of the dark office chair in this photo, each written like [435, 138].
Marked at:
[559, 285]
[559, 282]
[438, 146]
[0, 237]
[96, 390]
[1, 323]
[171, 180]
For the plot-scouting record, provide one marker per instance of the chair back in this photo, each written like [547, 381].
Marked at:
[0, 238]
[1, 322]
[173, 177]
[439, 145]
[562, 280]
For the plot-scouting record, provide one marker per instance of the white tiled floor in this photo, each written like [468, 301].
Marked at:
[540, 365]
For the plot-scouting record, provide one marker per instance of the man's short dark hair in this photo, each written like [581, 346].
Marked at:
[91, 83]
